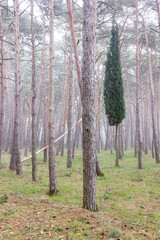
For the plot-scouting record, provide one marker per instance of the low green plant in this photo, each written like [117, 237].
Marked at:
[106, 196]
[9, 212]
[59, 229]
[114, 234]
[3, 199]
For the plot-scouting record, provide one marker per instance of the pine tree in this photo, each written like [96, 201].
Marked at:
[113, 85]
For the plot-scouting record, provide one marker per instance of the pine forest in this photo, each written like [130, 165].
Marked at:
[79, 119]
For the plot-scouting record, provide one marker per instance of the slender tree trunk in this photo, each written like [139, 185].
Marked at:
[77, 128]
[52, 167]
[64, 100]
[15, 162]
[44, 88]
[69, 136]
[137, 93]
[116, 147]
[89, 163]
[76, 56]
[28, 122]
[34, 160]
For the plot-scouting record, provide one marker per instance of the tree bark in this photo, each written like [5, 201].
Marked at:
[34, 159]
[89, 163]
[15, 162]
[137, 93]
[1, 86]
[44, 89]
[53, 189]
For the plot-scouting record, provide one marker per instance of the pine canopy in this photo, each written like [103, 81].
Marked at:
[113, 84]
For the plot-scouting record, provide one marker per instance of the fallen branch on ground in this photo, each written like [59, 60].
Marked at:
[42, 149]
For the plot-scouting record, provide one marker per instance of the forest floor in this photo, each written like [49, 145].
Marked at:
[128, 201]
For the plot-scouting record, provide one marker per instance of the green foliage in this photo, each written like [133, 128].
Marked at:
[114, 234]
[9, 212]
[59, 229]
[106, 196]
[113, 84]
[3, 199]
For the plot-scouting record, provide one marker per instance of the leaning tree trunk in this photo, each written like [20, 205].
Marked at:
[34, 160]
[89, 163]
[15, 162]
[69, 123]
[52, 167]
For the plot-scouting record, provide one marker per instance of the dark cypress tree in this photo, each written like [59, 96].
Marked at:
[113, 86]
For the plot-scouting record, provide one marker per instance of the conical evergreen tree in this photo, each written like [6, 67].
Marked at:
[113, 85]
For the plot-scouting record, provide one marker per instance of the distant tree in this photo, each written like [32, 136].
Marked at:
[33, 77]
[113, 86]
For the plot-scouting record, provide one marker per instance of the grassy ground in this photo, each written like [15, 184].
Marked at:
[128, 202]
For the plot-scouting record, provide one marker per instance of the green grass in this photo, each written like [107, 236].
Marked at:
[128, 201]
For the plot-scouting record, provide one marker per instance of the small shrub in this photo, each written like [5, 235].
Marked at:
[114, 234]
[3, 199]
[106, 196]
[59, 229]
[85, 234]
[9, 212]
[141, 206]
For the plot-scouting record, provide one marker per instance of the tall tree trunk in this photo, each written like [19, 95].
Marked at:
[137, 92]
[69, 137]
[1, 86]
[34, 160]
[52, 167]
[89, 163]
[15, 162]
[44, 89]
[76, 54]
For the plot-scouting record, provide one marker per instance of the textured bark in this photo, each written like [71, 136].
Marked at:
[15, 162]
[52, 167]
[44, 89]
[75, 46]
[69, 122]
[138, 134]
[1, 86]
[34, 160]
[89, 163]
